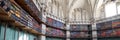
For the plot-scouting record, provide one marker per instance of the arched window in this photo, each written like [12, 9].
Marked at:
[118, 8]
[110, 9]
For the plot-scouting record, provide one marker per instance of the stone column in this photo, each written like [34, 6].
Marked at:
[43, 37]
[67, 32]
[94, 33]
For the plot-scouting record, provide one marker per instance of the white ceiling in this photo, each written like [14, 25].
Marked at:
[71, 5]
[79, 3]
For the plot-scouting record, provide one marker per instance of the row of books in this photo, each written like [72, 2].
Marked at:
[55, 23]
[20, 15]
[5, 5]
[79, 34]
[34, 8]
[55, 32]
[109, 24]
[79, 27]
[109, 33]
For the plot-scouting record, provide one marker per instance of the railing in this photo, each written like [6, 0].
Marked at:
[51, 15]
[79, 21]
[108, 19]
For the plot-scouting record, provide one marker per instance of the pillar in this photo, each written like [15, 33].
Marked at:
[42, 37]
[67, 32]
[94, 33]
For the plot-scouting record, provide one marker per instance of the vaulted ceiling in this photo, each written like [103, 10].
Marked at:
[81, 5]
[71, 7]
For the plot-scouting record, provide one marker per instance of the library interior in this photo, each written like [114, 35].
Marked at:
[59, 19]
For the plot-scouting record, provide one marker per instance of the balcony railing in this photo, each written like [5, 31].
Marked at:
[59, 18]
[79, 21]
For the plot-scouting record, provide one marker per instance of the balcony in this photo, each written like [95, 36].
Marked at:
[19, 18]
[30, 7]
